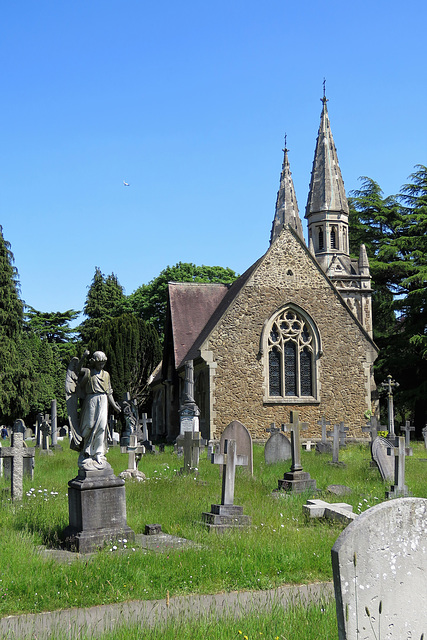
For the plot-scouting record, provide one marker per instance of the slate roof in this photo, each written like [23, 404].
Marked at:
[191, 306]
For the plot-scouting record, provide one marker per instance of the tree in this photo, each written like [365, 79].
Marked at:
[150, 300]
[133, 350]
[11, 314]
[103, 301]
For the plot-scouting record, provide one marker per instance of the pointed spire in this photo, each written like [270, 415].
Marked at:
[286, 203]
[327, 191]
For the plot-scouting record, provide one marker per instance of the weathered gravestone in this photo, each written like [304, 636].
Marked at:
[339, 511]
[277, 448]
[389, 385]
[227, 515]
[398, 452]
[144, 434]
[45, 431]
[338, 435]
[189, 412]
[384, 462]
[134, 451]
[372, 428]
[190, 442]
[296, 480]
[424, 432]
[379, 565]
[16, 454]
[407, 428]
[324, 446]
[238, 432]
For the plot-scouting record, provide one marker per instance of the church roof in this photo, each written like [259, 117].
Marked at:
[191, 305]
[327, 191]
[286, 203]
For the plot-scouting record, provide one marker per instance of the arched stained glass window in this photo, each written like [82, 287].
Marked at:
[290, 356]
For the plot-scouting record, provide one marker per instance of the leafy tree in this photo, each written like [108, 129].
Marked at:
[11, 315]
[133, 350]
[150, 300]
[104, 300]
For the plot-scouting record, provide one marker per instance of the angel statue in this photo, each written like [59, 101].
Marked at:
[92, 386]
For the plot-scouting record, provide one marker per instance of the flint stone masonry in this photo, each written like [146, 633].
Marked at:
[380, 572]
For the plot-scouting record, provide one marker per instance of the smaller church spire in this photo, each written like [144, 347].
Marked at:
[286, 204]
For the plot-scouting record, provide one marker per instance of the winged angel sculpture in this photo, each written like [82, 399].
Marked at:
[91, 386]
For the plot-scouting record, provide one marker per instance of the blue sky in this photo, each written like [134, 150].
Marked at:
[189, 102]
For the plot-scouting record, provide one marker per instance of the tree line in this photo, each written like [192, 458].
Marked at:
[36, 346]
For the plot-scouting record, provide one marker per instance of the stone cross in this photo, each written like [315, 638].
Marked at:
[53, 423]
[407, 429]
[17, 452]
[45, 429]
[295, 427]
[343, 433]
[424, 432]
[145, 422]
[390, 384]
[323, 423]
[191, 445]
[336, 442]
[135, 452]
[399, 489]
[371, 427]
[39, 429]
[229, 459]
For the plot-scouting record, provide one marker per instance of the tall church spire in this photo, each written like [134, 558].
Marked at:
[327, 206]
[286, 203]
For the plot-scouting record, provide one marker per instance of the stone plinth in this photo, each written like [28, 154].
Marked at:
[297, 481]
[97, 511]
[225, 516]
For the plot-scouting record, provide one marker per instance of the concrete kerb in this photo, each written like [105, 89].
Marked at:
[71, 623]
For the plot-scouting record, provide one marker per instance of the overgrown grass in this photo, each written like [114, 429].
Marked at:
[280, 547]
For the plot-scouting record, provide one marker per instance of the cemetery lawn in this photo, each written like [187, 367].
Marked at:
[280, 548]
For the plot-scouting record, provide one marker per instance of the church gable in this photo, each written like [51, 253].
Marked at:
[287, 294]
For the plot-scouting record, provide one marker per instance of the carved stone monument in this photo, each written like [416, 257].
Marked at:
[296, 479]
[189, 411]
[96, 497]
[16, 454]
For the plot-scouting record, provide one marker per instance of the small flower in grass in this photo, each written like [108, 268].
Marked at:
[239, 632]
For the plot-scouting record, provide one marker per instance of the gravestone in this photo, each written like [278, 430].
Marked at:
[389, 385]
[190, 442]
[39, 421]
[28, 435]
[63, 432]
[277, 448]
[238, 432]
[296, 480]
[45, 431]
[407, 430]
[338, 434]
[372, 428]
[324, 446]
[227, 515]
[398, 452]
[384, 462]
[339, 511]
[424, 432]
[379, 566]
[134, 451]
[16, 453]
[144, 434]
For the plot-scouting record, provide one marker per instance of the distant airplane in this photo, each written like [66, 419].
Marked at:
[126, 184]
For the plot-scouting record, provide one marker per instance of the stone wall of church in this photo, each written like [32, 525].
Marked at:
[286, 275]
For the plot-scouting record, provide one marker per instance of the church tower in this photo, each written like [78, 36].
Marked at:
[327, 218]
[286, 203]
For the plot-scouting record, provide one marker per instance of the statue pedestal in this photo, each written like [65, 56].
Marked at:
[97, 511]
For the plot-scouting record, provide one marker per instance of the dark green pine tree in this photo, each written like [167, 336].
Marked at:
[133, 350]
[11, 314]
[103, 301]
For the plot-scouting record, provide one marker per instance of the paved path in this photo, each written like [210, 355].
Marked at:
[91, 622]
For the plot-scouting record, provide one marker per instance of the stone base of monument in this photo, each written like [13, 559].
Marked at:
[97, 511]
[297, 482]
[225, 516]
[397, 492]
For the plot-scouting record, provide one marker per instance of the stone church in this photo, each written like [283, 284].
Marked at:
[294, 332]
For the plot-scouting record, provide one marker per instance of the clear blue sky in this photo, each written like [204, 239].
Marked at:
[189, 102]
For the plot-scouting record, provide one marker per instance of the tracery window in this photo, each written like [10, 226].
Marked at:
[291, 362]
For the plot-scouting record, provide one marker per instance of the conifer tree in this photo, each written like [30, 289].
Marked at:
[102, 301]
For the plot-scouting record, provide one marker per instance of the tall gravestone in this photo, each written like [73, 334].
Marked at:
[296, 480]
[379, 566]
[238, 432]
[188, 411]
[16, 453]
[384, 462]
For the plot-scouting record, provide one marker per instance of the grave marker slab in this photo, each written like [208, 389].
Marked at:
[380, 572]
[384, 462]
[238, 432]
[227, 515]
[277, 448]
[17, 452]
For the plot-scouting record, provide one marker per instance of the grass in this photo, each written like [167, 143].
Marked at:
[280, 548]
